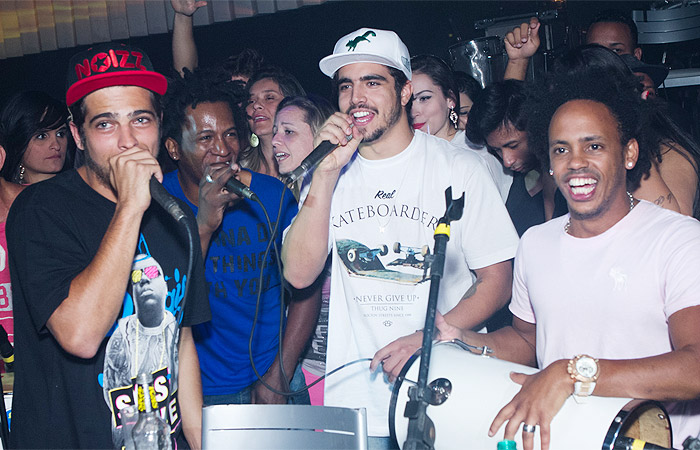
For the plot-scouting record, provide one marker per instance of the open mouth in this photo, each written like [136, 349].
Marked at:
[257, 119]
[582, 187]
[362, 118]
[281, 156]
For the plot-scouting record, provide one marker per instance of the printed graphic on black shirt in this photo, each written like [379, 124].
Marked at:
[144, 341]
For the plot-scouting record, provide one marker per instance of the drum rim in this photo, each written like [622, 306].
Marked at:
[624, 415]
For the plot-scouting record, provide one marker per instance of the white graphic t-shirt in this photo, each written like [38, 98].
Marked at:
[383, 216]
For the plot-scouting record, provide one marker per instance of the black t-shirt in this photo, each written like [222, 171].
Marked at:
[54, 230]
[527, 211]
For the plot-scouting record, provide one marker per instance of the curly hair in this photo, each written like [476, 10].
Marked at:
[201, 86]
[617, 94]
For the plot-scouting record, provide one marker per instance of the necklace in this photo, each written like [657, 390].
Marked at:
[568, 222]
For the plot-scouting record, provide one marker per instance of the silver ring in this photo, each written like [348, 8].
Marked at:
[529, 428]
[209, 178]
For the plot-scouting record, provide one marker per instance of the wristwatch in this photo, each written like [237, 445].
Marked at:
[584, 370]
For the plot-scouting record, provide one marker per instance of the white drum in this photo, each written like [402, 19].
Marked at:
[479, 386]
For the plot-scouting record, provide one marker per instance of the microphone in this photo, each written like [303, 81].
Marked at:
[315, 157]
[237, 187]
[6, 350]
[164, 199]
[311, 161]
[628, 443]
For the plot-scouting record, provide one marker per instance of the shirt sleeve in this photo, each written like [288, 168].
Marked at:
[680, 288]
[520, 304]
[46, 254]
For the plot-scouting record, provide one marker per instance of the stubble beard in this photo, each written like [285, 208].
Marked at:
[102, 173]
[394, 118]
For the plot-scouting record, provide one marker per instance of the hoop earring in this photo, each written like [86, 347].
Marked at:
[254, 140]
[454, 118]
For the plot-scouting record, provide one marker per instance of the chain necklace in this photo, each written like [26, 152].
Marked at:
[568, 222]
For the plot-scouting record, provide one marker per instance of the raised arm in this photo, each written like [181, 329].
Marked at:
[306, 244]
[521, 44]
[96, 294]
[184, 47]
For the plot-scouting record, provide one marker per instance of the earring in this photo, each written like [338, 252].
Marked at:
[551, 172]
[254, 140]
[454, 118]
[20, 175]
[630, 164]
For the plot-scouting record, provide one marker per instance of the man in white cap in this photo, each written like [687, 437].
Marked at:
[390, 195]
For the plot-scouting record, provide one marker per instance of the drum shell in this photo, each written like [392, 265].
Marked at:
[481, 386]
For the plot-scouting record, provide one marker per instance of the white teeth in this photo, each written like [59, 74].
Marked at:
[582, 190]
[581, 181]
[279, 155]
[357, 115]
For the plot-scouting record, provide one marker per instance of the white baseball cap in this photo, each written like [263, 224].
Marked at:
[368, 45]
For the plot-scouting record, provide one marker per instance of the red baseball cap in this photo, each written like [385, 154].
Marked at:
[111, 64]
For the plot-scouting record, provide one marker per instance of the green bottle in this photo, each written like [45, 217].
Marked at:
[507, 445]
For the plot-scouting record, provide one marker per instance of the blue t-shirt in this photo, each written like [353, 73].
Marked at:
[232, 270]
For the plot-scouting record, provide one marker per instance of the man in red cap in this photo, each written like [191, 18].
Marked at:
[74, 240]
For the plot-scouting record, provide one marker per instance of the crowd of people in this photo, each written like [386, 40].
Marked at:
[577, 251]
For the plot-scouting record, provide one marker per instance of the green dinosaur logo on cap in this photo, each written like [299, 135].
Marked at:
[353, 43]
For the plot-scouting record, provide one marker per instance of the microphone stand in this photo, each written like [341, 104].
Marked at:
[421, 430]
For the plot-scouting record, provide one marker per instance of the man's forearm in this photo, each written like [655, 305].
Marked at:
[97, 293]
[301, 322]
[489, 293]
[184, 47]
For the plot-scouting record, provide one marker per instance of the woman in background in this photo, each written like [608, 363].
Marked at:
[434, 111]
[468, 89]
[266, 89]
[296, 122]
[36, 137]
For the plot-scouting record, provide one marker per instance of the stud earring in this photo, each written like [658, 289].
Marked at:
[630, 164]
[551, 172]
[254, 140]
[454, 118]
